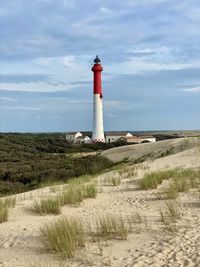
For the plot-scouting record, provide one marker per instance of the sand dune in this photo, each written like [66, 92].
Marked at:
[151, 150]
[150, 244]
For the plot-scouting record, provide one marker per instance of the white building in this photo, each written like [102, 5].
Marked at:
[79, 138]
[114, 136]
[82, 140]
[71, 136]
[128, 137]
[149, 138]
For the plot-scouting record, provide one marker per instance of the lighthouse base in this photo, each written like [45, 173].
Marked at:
[98, 132]
[98, 140]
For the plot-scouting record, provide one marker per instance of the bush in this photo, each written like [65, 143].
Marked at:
[30, 160]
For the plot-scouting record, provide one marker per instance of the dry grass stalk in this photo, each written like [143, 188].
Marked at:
[46, 206]
[5, 204]
[171, 213]
[111, 227]
[63, 236]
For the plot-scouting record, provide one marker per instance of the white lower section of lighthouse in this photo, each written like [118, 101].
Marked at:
[98, 132]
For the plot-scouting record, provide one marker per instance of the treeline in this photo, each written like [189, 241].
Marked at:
[29, 160]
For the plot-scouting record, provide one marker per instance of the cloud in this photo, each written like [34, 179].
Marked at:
[23, 78]
[141, 65]
[23, 108]
[192, 90]
[149, 50]
[113, 104]
[8, 99]
[69, 3]
[56, 117]
[145, 2]
[105, 10]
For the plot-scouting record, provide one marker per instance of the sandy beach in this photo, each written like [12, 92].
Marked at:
[150, 243]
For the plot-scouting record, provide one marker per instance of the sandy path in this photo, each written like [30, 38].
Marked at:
[150, 245]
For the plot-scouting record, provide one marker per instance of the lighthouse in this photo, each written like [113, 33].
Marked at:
[98, 132]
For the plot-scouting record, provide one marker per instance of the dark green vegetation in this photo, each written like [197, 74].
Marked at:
[29, 160]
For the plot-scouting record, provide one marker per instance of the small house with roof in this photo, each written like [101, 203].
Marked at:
[114, 136]
[77, 138]
[82, 140]
[128, 137]
[71, 136]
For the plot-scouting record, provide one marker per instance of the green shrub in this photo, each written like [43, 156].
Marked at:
[29, 161]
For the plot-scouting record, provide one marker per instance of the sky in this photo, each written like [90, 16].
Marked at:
[149, 49]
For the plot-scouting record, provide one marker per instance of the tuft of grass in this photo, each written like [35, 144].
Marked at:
[3, 212]
[46, 206]
[181, 184]
[112, 181]
[171, 228]
[80, 180]
[183, 180]
[116, 181]
[111, 227]
[74, 194]
[10, 202]
[128, 171]
[153, 179]
[172, 212]
[163, 216]
[71, 196]
[40, 264]
[54, 189]
[136, 217]
[137, 222]
[5, 204]
[63, 236]
[90, 190]
[169, 193]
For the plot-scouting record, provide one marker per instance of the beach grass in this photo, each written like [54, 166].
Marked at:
[50, 205]
[111, 227]
[64, 236]
[5, 204]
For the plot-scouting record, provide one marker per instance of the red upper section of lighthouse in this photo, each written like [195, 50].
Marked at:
[97, 69]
